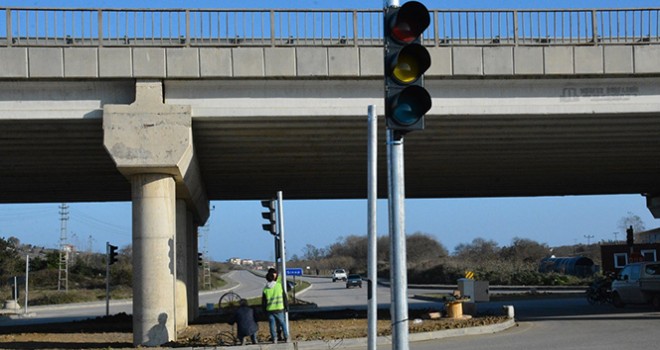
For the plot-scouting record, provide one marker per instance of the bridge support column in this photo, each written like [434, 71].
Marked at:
[153, 257]
[193, 271]
[151, 143]
[181, 292]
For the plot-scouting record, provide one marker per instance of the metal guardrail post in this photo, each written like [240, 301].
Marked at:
[355, 28]
[100, 27]
[594, 27]
[187, 28]
[515, 27]
[436, 30]
[272, 28]
[8, 21]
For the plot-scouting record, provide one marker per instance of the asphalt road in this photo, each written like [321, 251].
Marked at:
[563, 323]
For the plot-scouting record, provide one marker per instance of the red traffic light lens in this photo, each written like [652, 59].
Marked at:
[411, 21]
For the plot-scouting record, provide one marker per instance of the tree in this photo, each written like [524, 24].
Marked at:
[631, 220]
[525, 250]
[310, 252]
[9, 260]
[422, 246]
[479, 250]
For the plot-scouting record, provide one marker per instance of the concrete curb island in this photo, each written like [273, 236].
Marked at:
[363, 342]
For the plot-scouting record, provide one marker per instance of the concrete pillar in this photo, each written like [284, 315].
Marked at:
[193, 272]
[181, 292]
[151, 143]
[153, 258]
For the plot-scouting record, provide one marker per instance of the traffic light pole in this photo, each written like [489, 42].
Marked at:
[372, 266]
[280, 230]
[398, 273]
[107, 278]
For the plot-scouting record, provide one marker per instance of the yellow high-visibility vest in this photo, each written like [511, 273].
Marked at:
[274, 299]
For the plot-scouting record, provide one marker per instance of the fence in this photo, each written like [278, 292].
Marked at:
[254, 27]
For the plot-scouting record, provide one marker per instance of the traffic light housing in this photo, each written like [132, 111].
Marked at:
[406, 60]
[200, 259]
[112, 253]
[630, 239]
[270, 217]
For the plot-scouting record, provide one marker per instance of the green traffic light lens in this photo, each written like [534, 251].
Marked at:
[405, 115]
[410, 105]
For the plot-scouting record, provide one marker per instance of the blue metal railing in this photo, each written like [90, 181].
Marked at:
[264, 27]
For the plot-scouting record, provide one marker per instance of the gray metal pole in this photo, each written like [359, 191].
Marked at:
[280, 230]
[27, 272]
[107, 278]
[372, 199]
[390, 3]
[398, 273]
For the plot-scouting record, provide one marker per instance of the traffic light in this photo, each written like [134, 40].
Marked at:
[200, 259]
[406, 60]
[112, 253]
[269, 216]
[629, 236]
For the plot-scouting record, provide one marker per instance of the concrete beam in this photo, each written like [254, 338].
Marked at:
[149, 136]
[291, 62]
[275, 98]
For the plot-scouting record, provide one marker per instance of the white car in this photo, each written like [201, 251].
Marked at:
[339, 274]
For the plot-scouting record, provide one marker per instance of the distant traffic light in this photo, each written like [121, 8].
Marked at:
[112, 253]
[200, 259]
[630, 239]
[406, 60]
[270, 217]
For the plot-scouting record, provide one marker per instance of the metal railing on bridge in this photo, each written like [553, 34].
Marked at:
[270, 27]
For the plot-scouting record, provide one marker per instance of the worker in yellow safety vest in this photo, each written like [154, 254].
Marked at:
[273, 302]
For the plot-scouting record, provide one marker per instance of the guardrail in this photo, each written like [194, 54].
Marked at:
[264, 27]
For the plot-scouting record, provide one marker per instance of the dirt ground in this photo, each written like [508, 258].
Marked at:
[213, 330]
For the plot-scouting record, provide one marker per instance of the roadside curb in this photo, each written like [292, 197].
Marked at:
[413, 337]
[381, 341]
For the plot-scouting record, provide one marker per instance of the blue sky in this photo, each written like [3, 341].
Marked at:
[235, 227]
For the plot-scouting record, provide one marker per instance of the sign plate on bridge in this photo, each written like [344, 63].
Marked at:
[294, 272]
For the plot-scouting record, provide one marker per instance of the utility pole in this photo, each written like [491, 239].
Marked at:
[588, 237]
[63, 274]
[206, 269]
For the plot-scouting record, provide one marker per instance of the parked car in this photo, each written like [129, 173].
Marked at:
[339, 274]
[354, 281]
[637, 283]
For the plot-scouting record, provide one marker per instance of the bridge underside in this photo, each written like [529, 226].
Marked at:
[323, 156]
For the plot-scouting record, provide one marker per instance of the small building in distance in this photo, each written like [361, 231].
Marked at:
[615, 256]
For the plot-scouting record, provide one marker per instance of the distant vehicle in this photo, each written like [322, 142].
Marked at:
[339, 274]
[637, 283]
[354, 281]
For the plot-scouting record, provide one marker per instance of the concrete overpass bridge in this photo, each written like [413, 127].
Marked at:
[173, 108]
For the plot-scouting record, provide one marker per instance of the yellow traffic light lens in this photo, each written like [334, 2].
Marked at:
[406, 69]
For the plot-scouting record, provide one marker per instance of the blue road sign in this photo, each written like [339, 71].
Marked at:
[296, 271]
